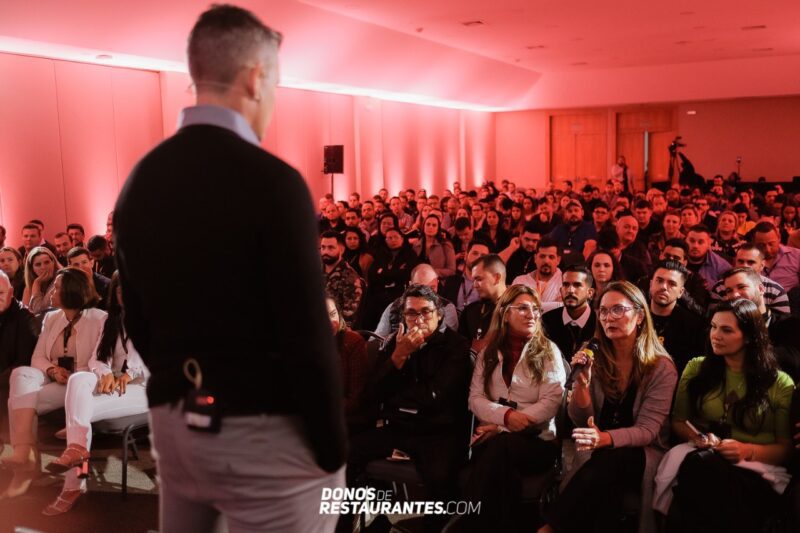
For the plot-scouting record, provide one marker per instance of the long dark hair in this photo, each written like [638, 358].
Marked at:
[113, 325]
[759, 367]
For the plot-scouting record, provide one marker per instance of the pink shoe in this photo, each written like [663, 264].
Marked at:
[74, 455]
[63, 503]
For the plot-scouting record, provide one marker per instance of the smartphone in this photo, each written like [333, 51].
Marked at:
[696, 431]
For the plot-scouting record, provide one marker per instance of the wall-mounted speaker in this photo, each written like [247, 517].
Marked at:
[334, 159]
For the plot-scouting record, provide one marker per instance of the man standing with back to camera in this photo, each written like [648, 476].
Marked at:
[246, 409]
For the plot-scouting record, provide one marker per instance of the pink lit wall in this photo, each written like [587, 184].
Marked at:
[70, 134]
[522, 143]
[386, 144]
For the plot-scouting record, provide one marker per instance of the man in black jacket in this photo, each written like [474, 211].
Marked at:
[269, 395]
[421, 383]
[572, 325]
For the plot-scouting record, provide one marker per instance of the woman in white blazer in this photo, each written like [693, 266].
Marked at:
[69, 336]
[113, 387]
[516, 391]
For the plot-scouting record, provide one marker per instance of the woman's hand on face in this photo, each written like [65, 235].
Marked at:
[106, 384]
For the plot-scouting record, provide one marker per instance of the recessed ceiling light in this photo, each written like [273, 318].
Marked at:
[104, 57]
[471, 23]
[691, 112]
[758, 27]
[535, 46]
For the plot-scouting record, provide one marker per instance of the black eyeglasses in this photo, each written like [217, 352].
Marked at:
[425, 313]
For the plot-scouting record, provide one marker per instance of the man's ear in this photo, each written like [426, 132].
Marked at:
[252, 81]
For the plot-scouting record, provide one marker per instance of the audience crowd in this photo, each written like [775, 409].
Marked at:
[484, 333]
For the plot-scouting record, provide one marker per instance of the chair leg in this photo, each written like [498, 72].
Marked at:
[125, 440]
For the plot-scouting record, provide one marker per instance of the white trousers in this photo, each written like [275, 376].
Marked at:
[84, 406]
[258, 473]
[30, 388]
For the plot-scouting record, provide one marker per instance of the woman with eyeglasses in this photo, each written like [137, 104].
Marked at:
[739, 401]
[68, 339]
[620, 406]
[516, 390]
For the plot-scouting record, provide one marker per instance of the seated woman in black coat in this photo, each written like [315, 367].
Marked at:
[388, 275]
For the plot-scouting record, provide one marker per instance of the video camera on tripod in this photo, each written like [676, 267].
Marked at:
[676, 143]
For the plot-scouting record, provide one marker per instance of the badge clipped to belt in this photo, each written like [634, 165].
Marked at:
[200, 408]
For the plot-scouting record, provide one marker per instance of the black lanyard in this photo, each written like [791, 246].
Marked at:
[68, 330]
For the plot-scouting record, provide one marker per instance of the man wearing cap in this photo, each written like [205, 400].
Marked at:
[573, 233]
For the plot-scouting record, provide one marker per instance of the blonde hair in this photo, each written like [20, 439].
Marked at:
[646, 351]
[30, 275]
[538, 350]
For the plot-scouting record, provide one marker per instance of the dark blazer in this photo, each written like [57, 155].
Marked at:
[683, 334]
[784, 334]
[475, 319]
[18, 335]
[560, 334]
[262, 337]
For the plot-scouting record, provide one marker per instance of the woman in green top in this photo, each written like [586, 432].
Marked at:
[740, 400]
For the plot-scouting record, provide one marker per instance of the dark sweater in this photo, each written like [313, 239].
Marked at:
[18, 335]
[262, 337]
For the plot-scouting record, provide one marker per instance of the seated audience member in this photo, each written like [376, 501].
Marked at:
[704, 213]
[628, 231]
[369, 221]
[18, 334]
[331, 220]
[572, 234]
[114, 386]
[523, 249]
[739, 400]
[12, 264]
[404, 220]
[726, 241]
[750, 256]
[546, 279]
[671, 229]
[689, 218]
[678, 329]
[601, 216]
[701, 259]
[100, 250]
[648, 224]
[354, 365]
[546, 219]
[489, 281]
[76, 234]
[392, 317]
[352, 220]
[605, 269]
[462, 237]
[32, 238]
[40, 269]
[342, 282]
[388, 275]
[493, 232]
[378, 239]
[355, 251]
[68, 339]
[516, 391]
[630, 268]
[421, 382]
[433, 249]
[620, 405]
[575, 323]
[80, 258]
[783, 328]
[459, 288]
[743, 219]
[781, 263]
[788, 221]
[63, 245]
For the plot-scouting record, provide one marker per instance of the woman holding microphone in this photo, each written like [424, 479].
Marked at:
[620, 406]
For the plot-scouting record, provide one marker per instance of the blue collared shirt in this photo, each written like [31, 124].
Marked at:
[786, 268]
[712, 268]
[223, 117]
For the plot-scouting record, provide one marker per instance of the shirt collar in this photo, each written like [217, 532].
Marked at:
[222, 117]
[581, 320]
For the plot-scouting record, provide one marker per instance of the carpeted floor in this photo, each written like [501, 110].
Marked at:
[102, 508]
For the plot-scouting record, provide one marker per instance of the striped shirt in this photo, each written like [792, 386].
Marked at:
[775, 297]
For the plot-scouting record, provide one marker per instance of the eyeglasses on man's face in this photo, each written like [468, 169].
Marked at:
[425, 312]
[526, 310]
[614, 312]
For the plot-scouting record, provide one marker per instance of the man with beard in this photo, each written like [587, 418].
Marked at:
[628, 231]
[369, 223]
[546, 279]
[648, 224]
[784, 329]
[678, 329]
[342, 282]
[489, 280]
[459, 288]
[572, 235]
[573, 324]
[702, 260]
[781, 263]
[521, 261]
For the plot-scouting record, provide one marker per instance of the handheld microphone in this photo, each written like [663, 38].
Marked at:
[589, 349]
